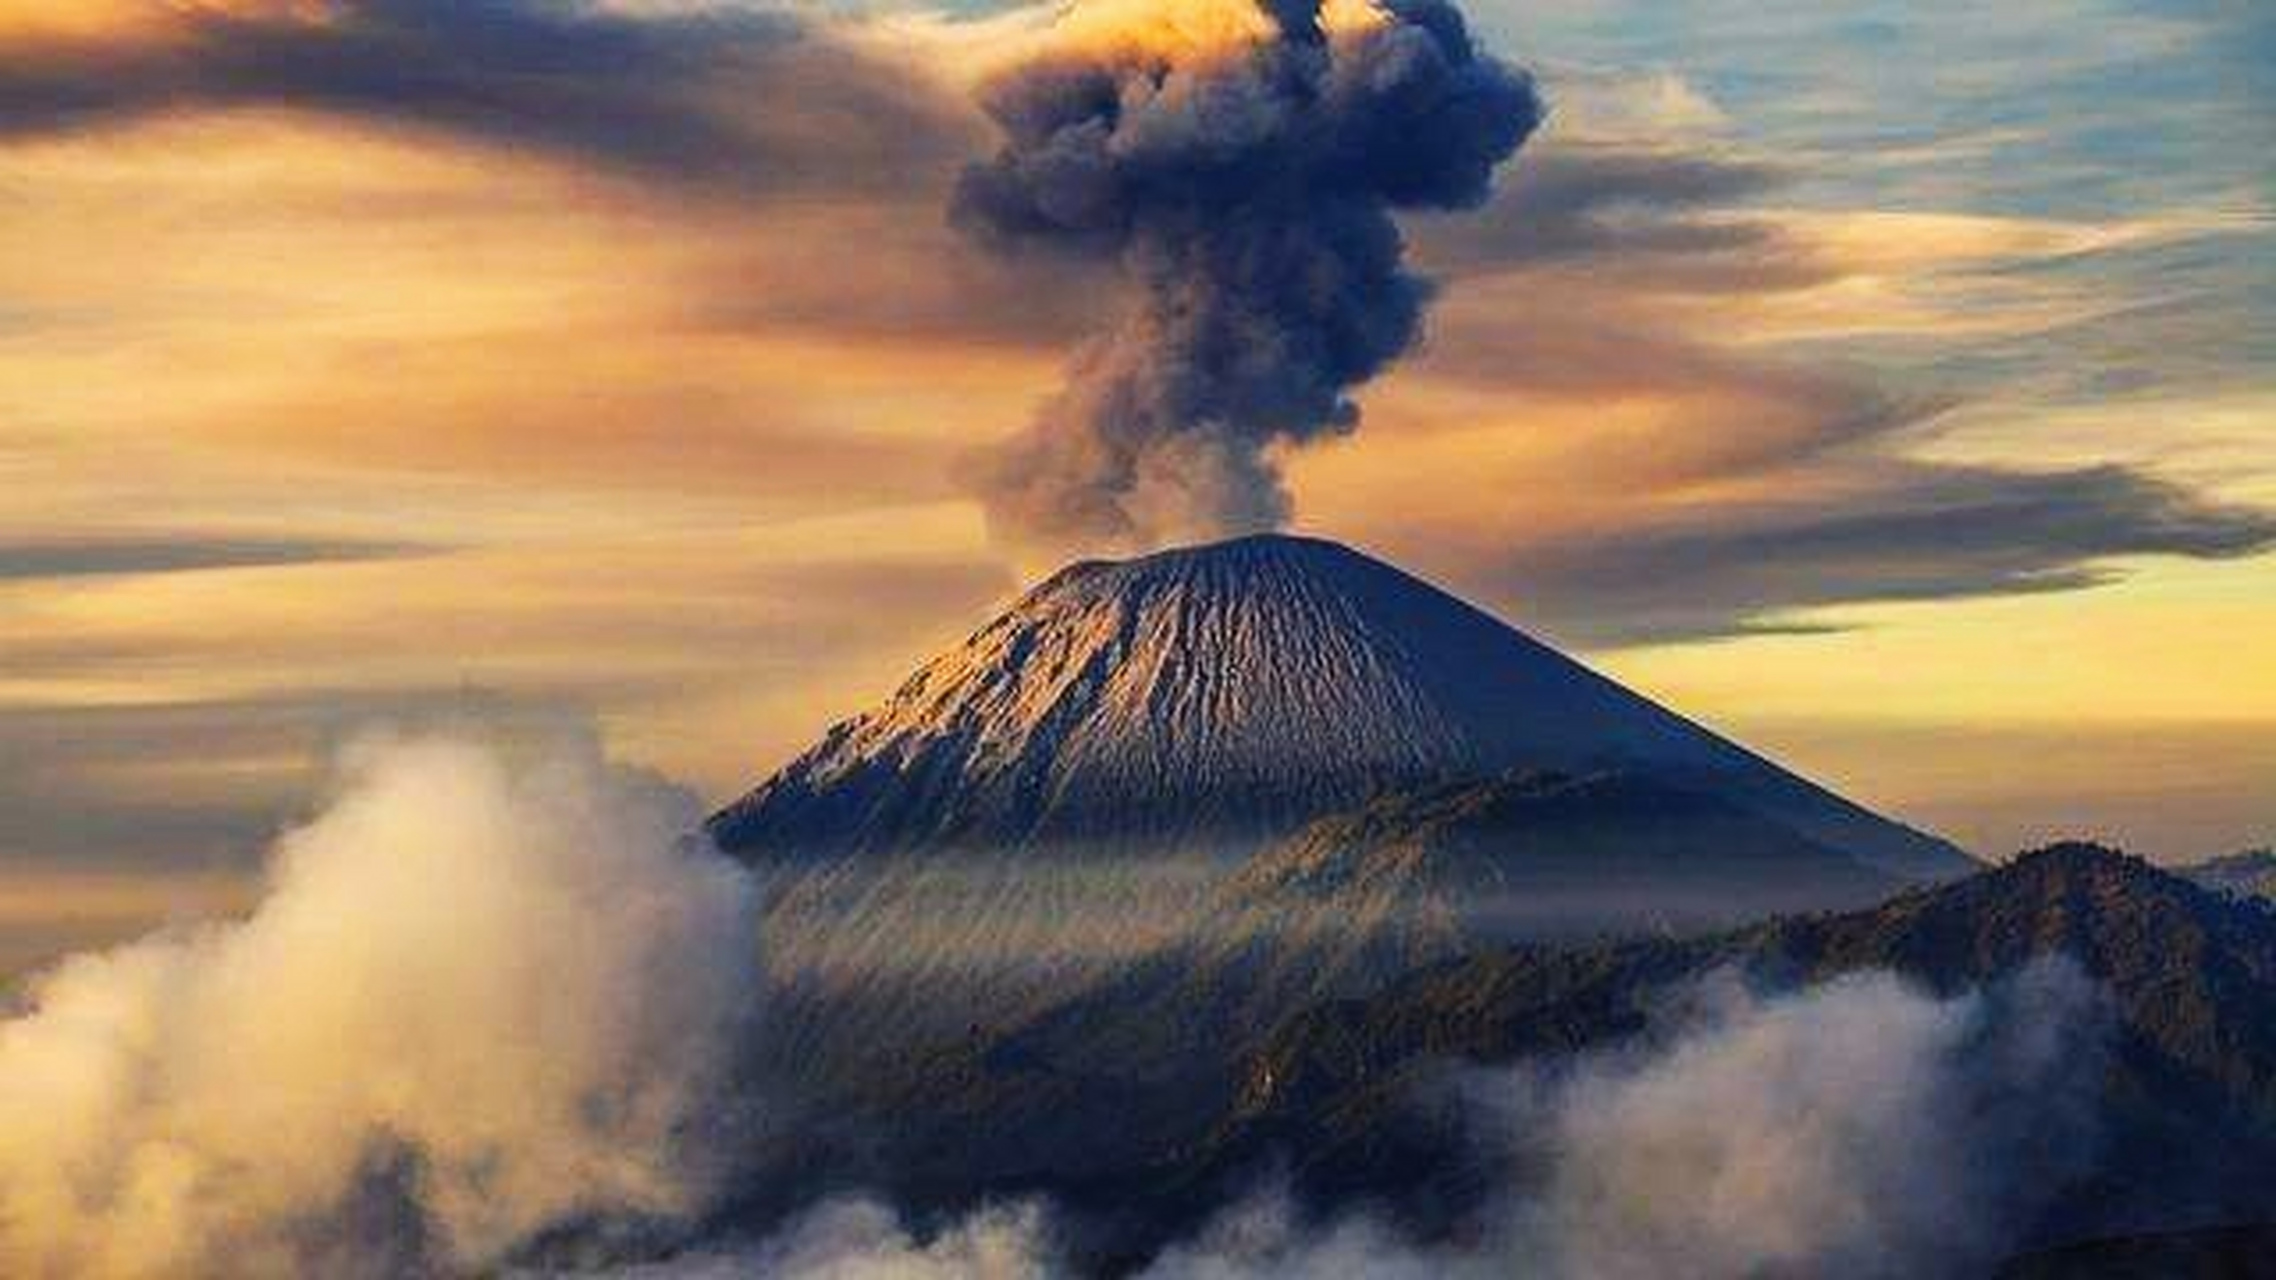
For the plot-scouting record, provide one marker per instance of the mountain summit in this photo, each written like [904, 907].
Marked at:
[1215, 697]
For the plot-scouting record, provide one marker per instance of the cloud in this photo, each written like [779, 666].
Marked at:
[1896, 531]
[1670, 209]
[864, 1239]
[1240, 164]
[165, 787]
[1861, 1128]
[101, 557]
[900, 275]
[1637, 464]
[483, 995]
[593, 619]
[748, 101]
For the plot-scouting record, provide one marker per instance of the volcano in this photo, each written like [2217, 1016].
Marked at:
[1218, 698]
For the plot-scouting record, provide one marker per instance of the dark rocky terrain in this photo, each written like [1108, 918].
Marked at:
[2189, 1101]
[1149, 1114]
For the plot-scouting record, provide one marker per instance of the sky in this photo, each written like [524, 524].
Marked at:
[1889, 386]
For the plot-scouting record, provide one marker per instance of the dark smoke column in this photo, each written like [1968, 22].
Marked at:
[1240, 164]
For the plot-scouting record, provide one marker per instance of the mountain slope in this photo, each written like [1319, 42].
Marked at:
[1212, 698]
[1356, 901]
[1149, 970]
[1156, 1119]
[1541, 855]
[2188, 1105]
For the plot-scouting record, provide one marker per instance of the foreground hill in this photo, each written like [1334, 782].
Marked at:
[1217, 697]
[2188, 1104]
[1166, 1123]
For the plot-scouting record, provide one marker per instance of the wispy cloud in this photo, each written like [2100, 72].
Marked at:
[100, 557]
[1901, 531]
[754, 101]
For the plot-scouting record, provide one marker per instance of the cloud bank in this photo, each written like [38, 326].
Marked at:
[1240, 163]
[482, 996]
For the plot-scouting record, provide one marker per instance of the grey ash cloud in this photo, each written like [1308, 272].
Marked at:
[1247, 195]
[750, 102]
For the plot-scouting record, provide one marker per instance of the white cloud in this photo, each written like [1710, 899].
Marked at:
[480, 996]
[861, 1239]
[1862, 1128]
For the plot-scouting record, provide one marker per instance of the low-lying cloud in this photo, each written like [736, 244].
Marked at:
[1863, 1128]
[483, 995]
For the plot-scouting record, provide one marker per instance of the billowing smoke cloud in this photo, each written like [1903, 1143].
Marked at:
[483, 995]
[1241, 163]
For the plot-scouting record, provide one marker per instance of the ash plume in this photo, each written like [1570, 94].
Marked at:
[1240, 164]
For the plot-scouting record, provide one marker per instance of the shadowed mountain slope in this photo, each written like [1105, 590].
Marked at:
[1356, 901]
[2188, 1105]
[1144, 1104]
